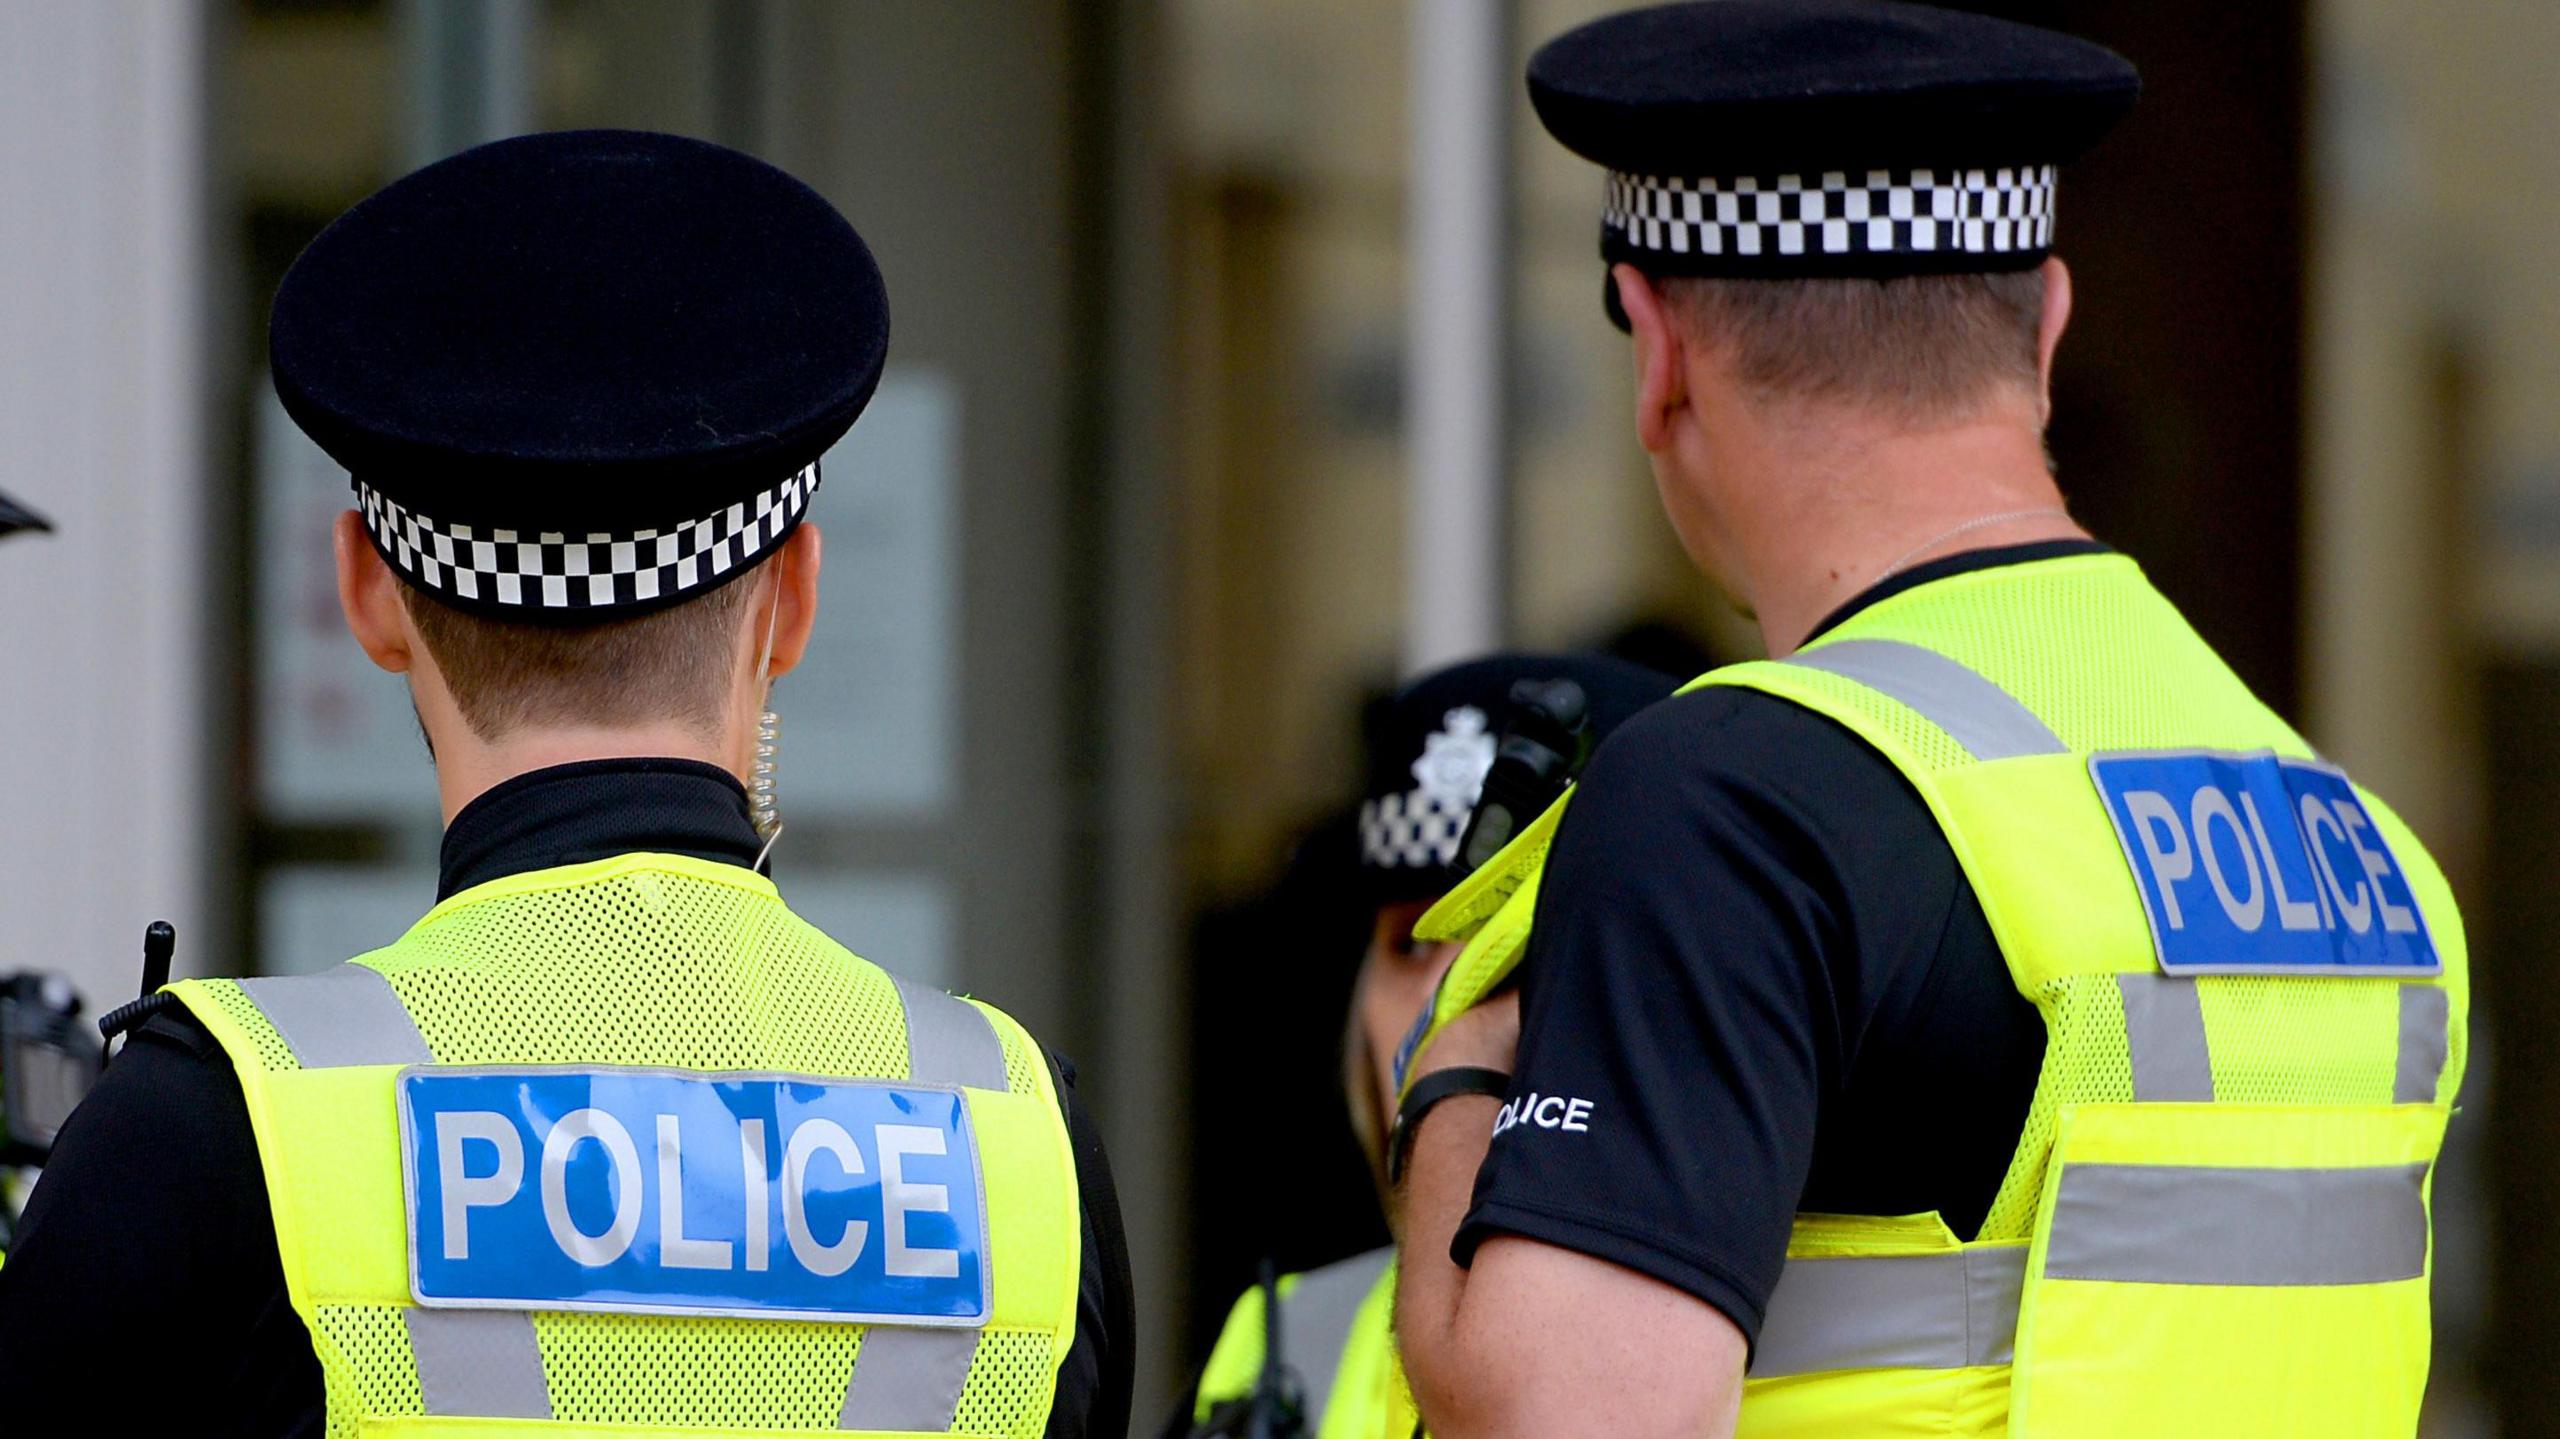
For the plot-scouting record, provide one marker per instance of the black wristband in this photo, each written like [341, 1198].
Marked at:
[1429, 1090]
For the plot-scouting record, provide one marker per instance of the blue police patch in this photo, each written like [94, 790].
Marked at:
[668, 1192]
[2257, 864]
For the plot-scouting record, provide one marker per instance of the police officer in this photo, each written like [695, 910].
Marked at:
[1984, 1016]
[1430, 748]
[610, 1138]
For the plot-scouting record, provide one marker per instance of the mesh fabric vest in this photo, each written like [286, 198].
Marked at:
[2215, 1221]
[672, 964]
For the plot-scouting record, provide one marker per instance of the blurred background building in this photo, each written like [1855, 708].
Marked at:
[1156, 497]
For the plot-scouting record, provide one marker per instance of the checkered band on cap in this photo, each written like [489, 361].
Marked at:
[1879, 212]
[1419, 829]
[559, 573]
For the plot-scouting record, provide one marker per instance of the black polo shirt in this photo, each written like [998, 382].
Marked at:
[1759, 968]
[145, 1282]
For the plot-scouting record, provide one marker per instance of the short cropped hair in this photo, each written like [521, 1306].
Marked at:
[1921, 348]
[670, 664]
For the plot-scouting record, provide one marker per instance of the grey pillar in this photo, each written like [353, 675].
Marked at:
[1457, 225]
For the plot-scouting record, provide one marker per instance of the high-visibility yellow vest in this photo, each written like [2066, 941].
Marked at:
[665, 970]
[1336, 1335]
[2216, 1221]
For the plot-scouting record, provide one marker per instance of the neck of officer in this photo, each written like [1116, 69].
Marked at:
[467, 771]
[468, 765]
[1824, 500]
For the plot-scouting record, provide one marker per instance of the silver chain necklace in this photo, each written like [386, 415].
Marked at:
[1983, 523]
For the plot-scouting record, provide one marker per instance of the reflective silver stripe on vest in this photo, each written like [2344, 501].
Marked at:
[1316, 1316]
[2182, 1224]
[2127, 1223]
[2425, 1020]
[482, 1363]
[908, 1379]
[1954, 1309]
[1986, 719]
[2164, 1032]
[342, 1016]
[949, 1041]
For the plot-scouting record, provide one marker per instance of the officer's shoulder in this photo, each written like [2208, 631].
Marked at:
[1726, 736]
[1757, 778]
[162, 1019]
[1061, 1068]
[168, 1102]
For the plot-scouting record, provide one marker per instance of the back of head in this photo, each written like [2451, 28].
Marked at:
[672, 665]
[1919, 350]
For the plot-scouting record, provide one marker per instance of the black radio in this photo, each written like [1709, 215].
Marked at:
[1546, 737]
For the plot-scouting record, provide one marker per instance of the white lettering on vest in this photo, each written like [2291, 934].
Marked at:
[2397, 919]
[576, 1127]
[898, 1199]
[2153, 814]
[2323, 888]
[751, 1156]
[823, 1260]
[2316, 816]
[2291, 913]
[676, 1251]
[464, 1191]
[2212, 804]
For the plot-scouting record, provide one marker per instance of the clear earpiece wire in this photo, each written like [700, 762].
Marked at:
[761, 801]
[764, 806]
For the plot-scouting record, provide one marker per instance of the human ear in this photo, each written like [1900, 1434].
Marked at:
[369, 595]
[796, 593]
[2057, 313]
[1661, 381]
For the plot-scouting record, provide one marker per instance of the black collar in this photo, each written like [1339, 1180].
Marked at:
[596, 809]
[1961, 563]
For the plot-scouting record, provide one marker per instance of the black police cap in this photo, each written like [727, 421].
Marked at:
[1431, 744]
[585, 374]
[1807, 138]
